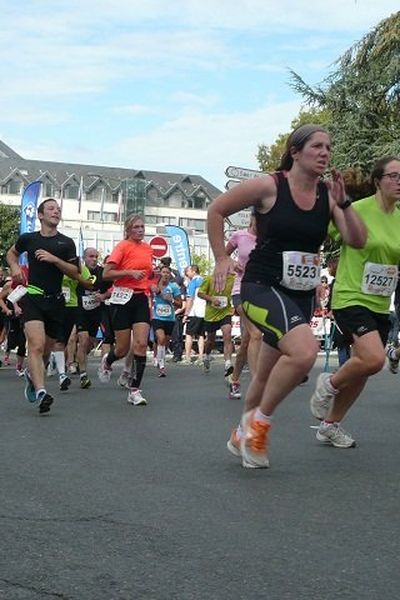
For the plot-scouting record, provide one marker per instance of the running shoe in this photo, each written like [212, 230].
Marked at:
[45, 401]
[135, 397]
[104, 371]
[206, 365]
[65, 382]
[6, 360]
[123, 379]
[393, 360]
[162, 372]
[84, 381]
[185, 362]
[51, 367]
[254, 443]
[228, 370]
[334, 434]
[19, 372]
[234, 391]
[29, 390]
[233, 444]
[72, 369]
[322, 399]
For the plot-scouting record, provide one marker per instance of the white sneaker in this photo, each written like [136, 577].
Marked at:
[393, 360]
[322, 399]
[333, 433]
[123, 379]
[104, 371]
[135, 397]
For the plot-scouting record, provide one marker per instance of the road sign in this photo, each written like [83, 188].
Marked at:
[241, 219]
[231, 183]
[159, 245]
[241, 173]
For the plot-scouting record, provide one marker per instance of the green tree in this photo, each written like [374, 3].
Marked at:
[362, 97]
[269, 157]
[205, 265]
[9, 229]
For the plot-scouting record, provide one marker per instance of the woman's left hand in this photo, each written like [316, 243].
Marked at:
[336, 187]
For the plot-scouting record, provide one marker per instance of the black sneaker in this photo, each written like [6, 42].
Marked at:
[65, 382]
[44, 403]
[85, 382]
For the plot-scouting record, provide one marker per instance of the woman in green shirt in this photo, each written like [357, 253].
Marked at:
[365, 281]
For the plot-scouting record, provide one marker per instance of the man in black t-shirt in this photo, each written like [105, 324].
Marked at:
[50, 255]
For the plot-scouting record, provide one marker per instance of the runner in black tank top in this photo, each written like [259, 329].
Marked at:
[293, 210]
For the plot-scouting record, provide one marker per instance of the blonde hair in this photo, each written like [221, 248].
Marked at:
[130, 221]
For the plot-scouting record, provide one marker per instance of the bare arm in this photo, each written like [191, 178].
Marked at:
[347, 221]
[16, 272]
[188, 306]
[260, 191]
[111, 273]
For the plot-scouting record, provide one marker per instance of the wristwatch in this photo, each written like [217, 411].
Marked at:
[345, 204]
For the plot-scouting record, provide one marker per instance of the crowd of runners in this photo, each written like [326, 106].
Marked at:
[59, 307]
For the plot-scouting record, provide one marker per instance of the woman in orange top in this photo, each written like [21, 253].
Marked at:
[130, 267]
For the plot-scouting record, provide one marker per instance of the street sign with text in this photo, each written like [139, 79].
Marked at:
[242, 173]
[231, 183]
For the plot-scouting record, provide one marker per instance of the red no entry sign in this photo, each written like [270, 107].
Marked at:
[159, 245]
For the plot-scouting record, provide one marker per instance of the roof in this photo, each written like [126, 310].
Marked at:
[60, 172]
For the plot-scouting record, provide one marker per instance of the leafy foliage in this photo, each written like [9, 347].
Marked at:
[9, 229]
[269, 157]
[205, 265]
[362, 98]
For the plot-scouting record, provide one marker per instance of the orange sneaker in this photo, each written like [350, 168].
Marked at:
[254, 443]
[233, 444]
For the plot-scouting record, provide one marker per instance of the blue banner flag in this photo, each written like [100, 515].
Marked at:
[179, 244]
[29, 202]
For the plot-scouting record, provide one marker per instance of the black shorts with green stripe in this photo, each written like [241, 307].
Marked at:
[274, 311]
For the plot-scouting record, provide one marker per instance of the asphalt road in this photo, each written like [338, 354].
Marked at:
[102, 500]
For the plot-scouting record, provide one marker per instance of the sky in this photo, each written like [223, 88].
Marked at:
[189, 86]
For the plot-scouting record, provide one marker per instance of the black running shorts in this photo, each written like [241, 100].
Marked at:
[359, 320]
[166, 326]
[136, 310]
[275, 312]
[48, 309]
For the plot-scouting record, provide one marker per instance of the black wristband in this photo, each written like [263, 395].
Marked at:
[345, 204]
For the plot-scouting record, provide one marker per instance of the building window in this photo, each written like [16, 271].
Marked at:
[71, 192]
[156, 220]
[47, 189]
[199, 203]
[108, 217]
[13, 187]
[196, 224]
[99, 194]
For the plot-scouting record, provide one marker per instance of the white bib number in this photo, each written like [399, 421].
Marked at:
[121, 295]
[17, 293]
[89, 301]
[300, 270]
[223, 301]
[379, 280]
[67, 294]
[163, 310]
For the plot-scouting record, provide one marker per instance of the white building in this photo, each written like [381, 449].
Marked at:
[107, 193]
